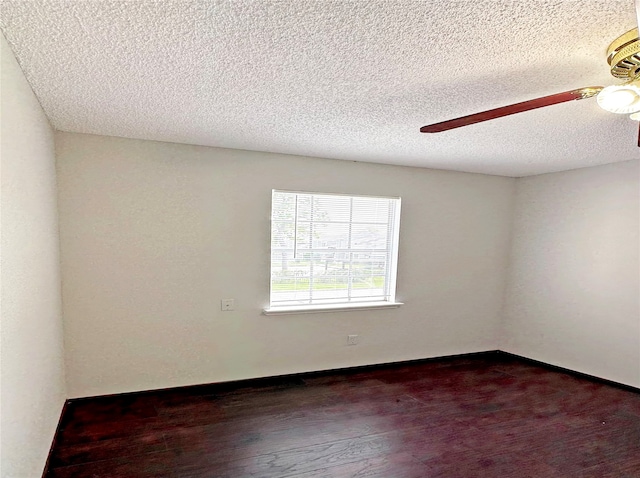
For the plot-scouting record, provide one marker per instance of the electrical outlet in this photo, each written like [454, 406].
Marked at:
[227, 304]
[352, 339]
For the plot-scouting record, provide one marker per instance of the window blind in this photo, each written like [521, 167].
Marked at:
[333, 248]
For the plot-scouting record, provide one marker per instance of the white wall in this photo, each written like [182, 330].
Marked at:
[574, 288]
[33, 390]
[153, 235]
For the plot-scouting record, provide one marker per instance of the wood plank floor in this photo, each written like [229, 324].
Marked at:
[486, 416]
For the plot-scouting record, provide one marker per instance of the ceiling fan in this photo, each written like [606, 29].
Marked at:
[623, 56]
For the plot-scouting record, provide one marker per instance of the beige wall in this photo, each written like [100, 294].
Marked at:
[33, 390]
[574, 287]
[153, 235]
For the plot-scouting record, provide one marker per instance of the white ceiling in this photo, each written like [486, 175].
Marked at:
[351, 80]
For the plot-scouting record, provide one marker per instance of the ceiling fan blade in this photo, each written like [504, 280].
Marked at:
[578, 94]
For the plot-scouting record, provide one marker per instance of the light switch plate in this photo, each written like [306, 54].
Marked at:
[227, 304]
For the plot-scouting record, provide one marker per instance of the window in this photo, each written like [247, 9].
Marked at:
[332, 251]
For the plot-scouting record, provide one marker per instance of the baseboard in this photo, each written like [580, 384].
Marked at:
[568, 371]
[209, 388]
[65, 406]
[296, 378]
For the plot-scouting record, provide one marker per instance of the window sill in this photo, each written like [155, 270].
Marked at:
[312, 309]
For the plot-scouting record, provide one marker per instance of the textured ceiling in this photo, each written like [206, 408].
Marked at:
[351, 80]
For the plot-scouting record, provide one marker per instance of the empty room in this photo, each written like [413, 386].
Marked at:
[320, 238]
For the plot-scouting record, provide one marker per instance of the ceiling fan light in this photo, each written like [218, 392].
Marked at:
[635, 116]
[621, 99]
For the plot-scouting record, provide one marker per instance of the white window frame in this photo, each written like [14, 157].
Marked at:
[389, 298]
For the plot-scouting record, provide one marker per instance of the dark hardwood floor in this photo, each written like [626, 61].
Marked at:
[490, 415]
